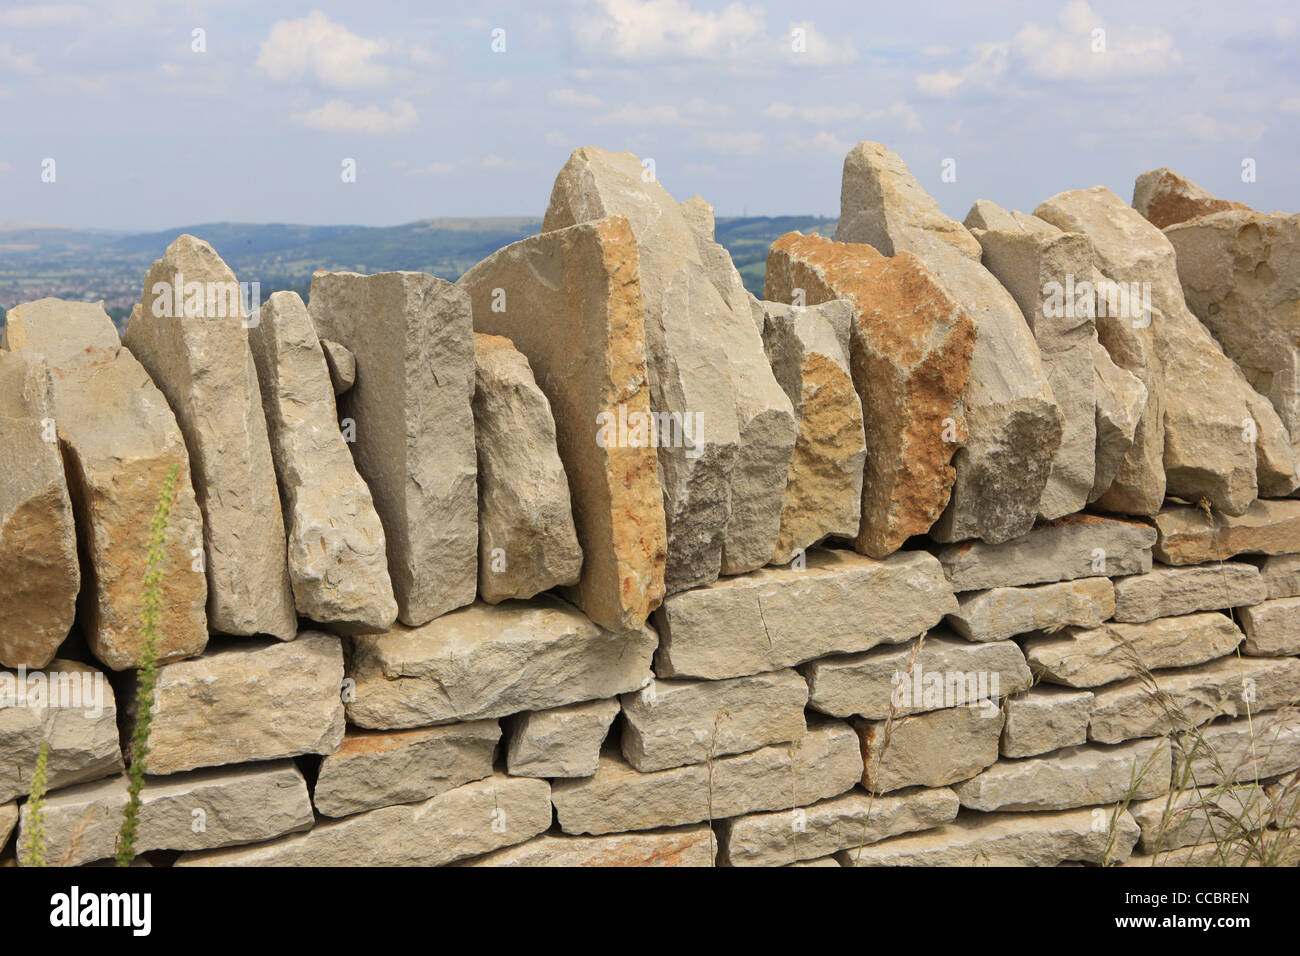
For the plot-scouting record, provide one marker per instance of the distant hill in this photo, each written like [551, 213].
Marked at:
[89, 265]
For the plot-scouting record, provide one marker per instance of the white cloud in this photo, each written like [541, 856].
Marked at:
[17, 62]
[989, 64]
[826, 141]
[43, 15]
[900, 111]
[319, 49]
[817, 50]
[493, 161]
[1290, 105]
[568, 97]
[825, 115]
[340, 116]
[779, 110]
[556, 138]
[1206, 128]
[667, 29]
[632, 115]
[739, 142]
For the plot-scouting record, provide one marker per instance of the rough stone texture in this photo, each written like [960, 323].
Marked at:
[1078, 777]
[1124, 252]
[1166, 592]
[1240, 273]
[689, 372]
[1188, 698]
[83, 739]
[373, 769]
[412, 336]
[197, 353]
[1045, 719]
[246, 700]
[841, 603]
[910, 347]
[561, 742]
[679, 846]
[342, 365]
[1007, 839]
[573, 307]
[670, 723]
[1275, 458]
[1164, 198]
[526, 539]
[485, 661]
[823, 491]
[929, 750]
[190, 811]
[986, 214]
[1272, 628]
[1121, 398]
[1194, 816]
[999, 613]
[945, 672]
[1281, 574]
[1245, 749]
[1187, 536]
[1027, 263]
[8, 820]
[698, 213]
[38, 537]
[823, 763]
[1076, 546]
[119, 441]
[840, 823]
[1013, 421]
[468, 821]
[1277, 848]
[1077, 657]
[338, 565]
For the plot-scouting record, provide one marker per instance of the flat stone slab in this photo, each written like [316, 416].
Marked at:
[490, 661]
[671, 723]
[1077, 546]
[1272, 628]
[840, 603]
[1167, 592]
[1075, 657]
[373, 769]
[999, 613]
[246, 700]
[814, 833]
[825, 762]
[1281, 574]
[1186, 536]
[1044, 719]
[560, 742]
[946, 671]
[1241, 750]
[1195, 816]
[468, 821]
[678, 846]
[197, 810]
[933, 749]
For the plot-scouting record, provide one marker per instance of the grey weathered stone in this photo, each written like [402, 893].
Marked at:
[986, 214]
[932, 749]
[38, 537]
[841, 603]
[1007, 839]
[467, 821]
[1044, 719]
[999, 613]
[1187, 536]
[571, 302]
[1166, 592]
[338, 565]
[1241, 750]
[1121, 398]
[560, 742]
[246, 700]
[946, 671]
[197, 810]
[1166, 198]
[342, 365]
[485, 661]
[1281, 575]
[189, 333]
[823, 492]
[840, 823]
[1204, 815]
[1028, 264]
[689, 372]
[81, 730]
[1077, 546]
[8, 820]
[1013, 421]
[120, 441]
[1272, 628]
[527, 542]
[678, 846]
[1076, 777]
[373, 769]
[823, 763]
[670, 723]
[1090, 657]
[1182, 699]
[413, 425]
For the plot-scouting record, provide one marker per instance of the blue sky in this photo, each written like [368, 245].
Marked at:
[147, 132]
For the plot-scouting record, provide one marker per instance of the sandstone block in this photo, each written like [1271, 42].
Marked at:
[1281, 574]
[1121, 398]
[1187, 536]
[1194, 816]
[1166, 592]
[1272, 628]
[1241, 750]
[929, 750]
[678, 846]
[560, 742]
[342, 365]
[999, 613]
[1164, 198]
[1045, 719]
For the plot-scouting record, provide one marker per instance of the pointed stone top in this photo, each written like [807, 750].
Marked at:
[64, 333]
[1164, 197]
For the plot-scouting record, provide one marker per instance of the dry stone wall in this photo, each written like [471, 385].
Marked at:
[972, 544]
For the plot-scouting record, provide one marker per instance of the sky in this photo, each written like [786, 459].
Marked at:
[159, 113]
